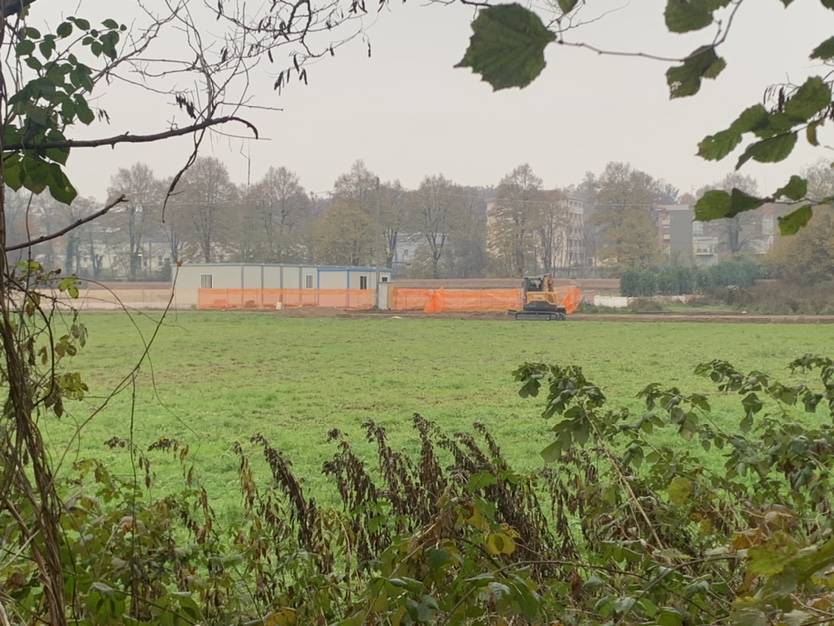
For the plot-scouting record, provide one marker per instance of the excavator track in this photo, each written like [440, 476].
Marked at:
[539, 316]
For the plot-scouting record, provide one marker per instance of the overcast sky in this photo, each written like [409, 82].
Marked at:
[408, 113]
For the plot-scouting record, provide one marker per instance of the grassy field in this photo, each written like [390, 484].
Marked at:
[217, 378]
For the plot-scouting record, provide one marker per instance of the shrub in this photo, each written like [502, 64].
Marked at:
[629, 283]
[645, 305]
[679, 280]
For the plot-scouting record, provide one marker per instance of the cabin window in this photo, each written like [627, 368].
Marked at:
[363, 282]
[206, 281]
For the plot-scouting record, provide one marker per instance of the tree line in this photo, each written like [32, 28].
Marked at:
[605, 225]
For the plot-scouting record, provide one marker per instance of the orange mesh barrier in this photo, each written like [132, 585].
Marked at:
[279, 298]
[571, 297]
[474, 300]
[454, 300]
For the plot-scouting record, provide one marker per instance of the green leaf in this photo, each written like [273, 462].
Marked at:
[716, 147]
[769, 150]
[683, 16]
[81, 23]
[60, 187]
[64, 29]
[110, 23]
[34, 174]
[83, 111]
[568, 5]
[771, 557]
[796, 189]
[811, 98]
[103, 588]
[791, 223]
[623, 605]
[68, 110]
[552, 452]
[749, 617]
[717, 204]
[825, 50]
[828, 4]
[25, 47]
[811, 133]
[679, 490]
[685, 80]
[47, 47]
[13, 172]
[750, 119]
[507, 46]
[58, 155]
[669, 617]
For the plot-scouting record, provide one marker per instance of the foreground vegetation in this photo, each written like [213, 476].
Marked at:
[625, 524]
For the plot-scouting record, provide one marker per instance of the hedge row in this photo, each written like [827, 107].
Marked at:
[675, 280]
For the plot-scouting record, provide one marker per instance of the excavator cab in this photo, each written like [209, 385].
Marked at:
[540, 300]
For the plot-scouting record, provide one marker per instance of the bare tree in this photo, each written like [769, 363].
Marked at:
[343, 235]
[553, 222]
[140, 213]
[392, 215]
[516, 216]
[206, 198]
[435, 215]
[282, 209]
[358, 186]
[624, 216]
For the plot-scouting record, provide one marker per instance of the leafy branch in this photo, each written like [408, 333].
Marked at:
[507, 49]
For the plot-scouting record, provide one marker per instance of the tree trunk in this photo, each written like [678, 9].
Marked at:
[391, 246]
[734, 235]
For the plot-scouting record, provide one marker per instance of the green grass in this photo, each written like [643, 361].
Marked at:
[217, 378]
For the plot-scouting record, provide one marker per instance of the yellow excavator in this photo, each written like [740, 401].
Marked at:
[540, 300]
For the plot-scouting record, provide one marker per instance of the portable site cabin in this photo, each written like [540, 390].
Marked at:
[279, 285]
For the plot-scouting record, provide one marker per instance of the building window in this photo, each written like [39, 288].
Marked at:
[384, 279]
[206, 281]
[363, 282]
[308, 282]
[697, 228]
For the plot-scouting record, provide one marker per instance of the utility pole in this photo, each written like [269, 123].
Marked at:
[378, 223]
[248, 157]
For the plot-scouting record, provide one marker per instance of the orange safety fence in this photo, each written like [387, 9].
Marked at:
[474, 300]
[571, 297]
[281, 298]
[459, 300]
